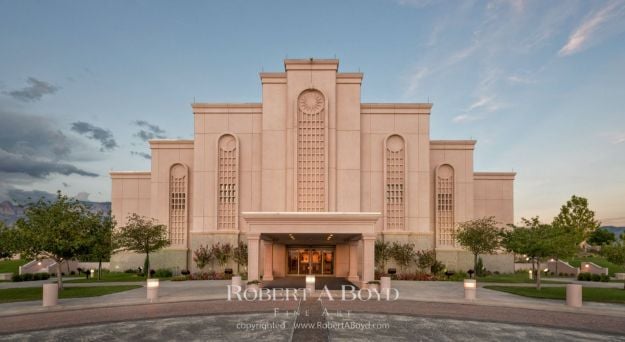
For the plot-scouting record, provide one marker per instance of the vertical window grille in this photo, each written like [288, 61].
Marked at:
[228, 184]
[311, 152]
[395, 182]
[445, 204]
[178, 201]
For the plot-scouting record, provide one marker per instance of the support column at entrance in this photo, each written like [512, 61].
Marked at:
[253, 256]
[353, 262]
[368, 268]
[268, 261]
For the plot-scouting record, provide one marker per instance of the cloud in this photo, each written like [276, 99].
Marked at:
[104, 136]
[464, 118]
[82, 196]
[615, 138]
[141, 154]
[149, 131]
[31, 147]
[591, 27]
[65, 185]
[33, 136]
[37, 168]
[35, 90]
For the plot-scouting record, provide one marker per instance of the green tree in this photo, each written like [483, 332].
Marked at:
[615, 253]
[222, 253]
[382, 254]
[239, 255]
[539, 241]
[601, 237]
[142, 235]
[100, 238]
[404, 254]
[203, 256]
[56, 230]
[479, 236]
[575, 216]
[8, 241]
[426, 259]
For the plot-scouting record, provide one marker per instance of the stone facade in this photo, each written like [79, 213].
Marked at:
[309, 178]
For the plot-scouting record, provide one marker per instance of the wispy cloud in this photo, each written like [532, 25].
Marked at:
[104, 136]
[592, 27]
[614, 137]
[141, 154]
[149, 131]
[34, 91]
[464, 118]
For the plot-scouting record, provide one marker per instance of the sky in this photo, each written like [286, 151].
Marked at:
[539, 84]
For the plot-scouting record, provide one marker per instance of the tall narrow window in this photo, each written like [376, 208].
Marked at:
[311, 152]
[445, 204]
[228, 183]
[394, 183]
[178, 203]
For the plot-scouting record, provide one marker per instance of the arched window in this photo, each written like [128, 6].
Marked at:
[178, 204]
[445, 205]
[228, 183]
[311, 151]
[394, 183]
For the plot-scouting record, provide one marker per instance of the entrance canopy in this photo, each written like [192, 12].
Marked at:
[311, 222]
[311, 228]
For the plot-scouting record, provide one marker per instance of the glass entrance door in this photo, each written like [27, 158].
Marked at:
[310, 260]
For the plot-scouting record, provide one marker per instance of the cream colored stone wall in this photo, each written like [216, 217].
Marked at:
[494, 195]
[211, 122]
[411, 121]
[130, 194]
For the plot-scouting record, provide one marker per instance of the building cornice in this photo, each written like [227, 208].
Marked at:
[494, 175]
[452, 144]
[130, 174]
[170, 143]
[311, 64]
[273, 77]
[395, 108]
[292, 216]
[227, 108]
[349, 78]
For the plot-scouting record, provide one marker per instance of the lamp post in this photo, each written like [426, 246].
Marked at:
[153, 285]
[470, 289]
[310, 283]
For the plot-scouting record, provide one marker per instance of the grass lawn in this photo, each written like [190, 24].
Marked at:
[35, 293]
[599, 260]
[591, 294]
[111, 277]
[11, 266]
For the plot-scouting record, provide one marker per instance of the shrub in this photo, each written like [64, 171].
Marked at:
[605, 278]
[72, 273]
[596, 277]
[253, 282]
[418, 276]
[437, 267]
[180, 278]
[130, 270]
[162, 273]
[458, 276]
[152, 272]
[584, 276]
[28, 277]
[16, 277]
[185, 272]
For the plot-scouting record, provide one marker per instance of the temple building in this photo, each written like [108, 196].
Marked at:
[309, 178]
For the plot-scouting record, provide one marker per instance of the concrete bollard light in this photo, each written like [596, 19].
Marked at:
[574, 295]
[470, 289]
[153, 285]
[236, 281]
[385, 284]
[50, 294]
[310, 283]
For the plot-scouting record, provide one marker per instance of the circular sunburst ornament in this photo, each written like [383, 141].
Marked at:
[227, 143]
[395, 143]
[311, 102]
[444, 171]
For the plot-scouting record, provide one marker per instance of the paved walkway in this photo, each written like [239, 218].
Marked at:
[208, 297]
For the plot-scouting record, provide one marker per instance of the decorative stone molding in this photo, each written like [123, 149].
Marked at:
[444, 202]
[178, 204]
[228, 182]
[394, 183]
